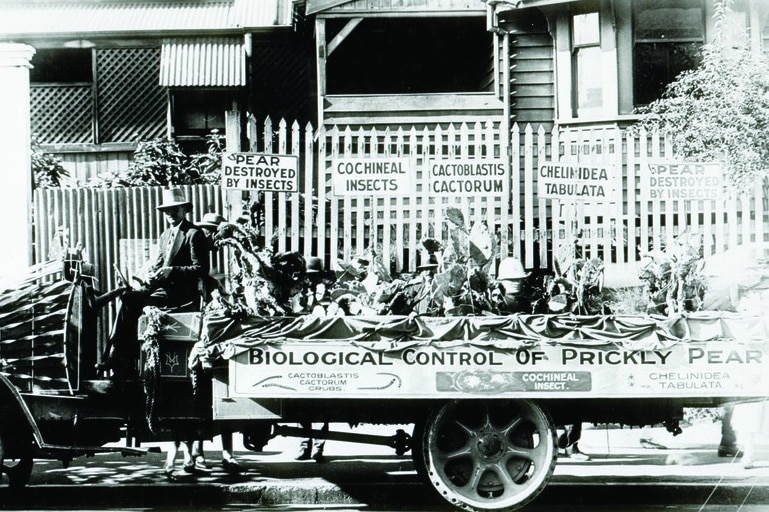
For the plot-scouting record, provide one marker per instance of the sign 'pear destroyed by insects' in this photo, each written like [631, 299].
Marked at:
[690, 181]
[258, 171]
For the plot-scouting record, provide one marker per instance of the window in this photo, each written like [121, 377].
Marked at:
[667, 38]
[411, 56]
[586, 44]
[198, 111]
[66, 65]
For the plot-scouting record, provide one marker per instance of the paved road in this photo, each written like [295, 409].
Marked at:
[621, 471]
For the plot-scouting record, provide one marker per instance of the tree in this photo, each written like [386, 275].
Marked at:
[720, 110]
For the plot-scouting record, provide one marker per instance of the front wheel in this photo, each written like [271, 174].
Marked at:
[484, 455]
[15, 457]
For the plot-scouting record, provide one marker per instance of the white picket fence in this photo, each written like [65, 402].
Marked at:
[316, 222]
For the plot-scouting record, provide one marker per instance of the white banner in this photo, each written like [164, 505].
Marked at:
[341, 369]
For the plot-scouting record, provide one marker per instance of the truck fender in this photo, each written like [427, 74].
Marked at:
[9, 395]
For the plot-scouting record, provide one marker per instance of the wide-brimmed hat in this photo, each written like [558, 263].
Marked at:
[430, 263]
[314, 265]
[211, 221]
[173, 197]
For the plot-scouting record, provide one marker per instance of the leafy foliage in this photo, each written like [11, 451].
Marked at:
[264, 281]
[456, 282]
[673, 278]
[720, 110]
[150, 350]
[578, 284]
[47, 170]
[628, 300]
[162, 162]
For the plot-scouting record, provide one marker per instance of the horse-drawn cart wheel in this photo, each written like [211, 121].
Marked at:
[15, 458]
[483, 455]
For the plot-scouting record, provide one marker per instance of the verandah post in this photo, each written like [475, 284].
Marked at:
[15, 143]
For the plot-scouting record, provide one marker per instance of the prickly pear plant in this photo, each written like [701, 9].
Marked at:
[461, 283]
[579, 282]
[673, 278]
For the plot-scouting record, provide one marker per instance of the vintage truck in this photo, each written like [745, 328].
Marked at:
[484, 393]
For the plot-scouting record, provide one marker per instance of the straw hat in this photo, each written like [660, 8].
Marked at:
[173, 197]
[211, 221]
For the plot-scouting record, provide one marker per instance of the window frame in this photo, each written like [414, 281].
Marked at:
[82, 53]
[668, 42]
[396, 60]
[411, 108]
[576, 47]
[183, 131]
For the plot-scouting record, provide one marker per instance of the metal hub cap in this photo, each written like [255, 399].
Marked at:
[490, 445]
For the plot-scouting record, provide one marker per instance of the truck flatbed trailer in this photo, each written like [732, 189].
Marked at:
[485, 393]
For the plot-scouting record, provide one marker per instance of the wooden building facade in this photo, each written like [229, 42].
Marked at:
[106, 75]
[524, 81]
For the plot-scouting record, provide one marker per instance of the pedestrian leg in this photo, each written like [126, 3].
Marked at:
[319, 444]
[305, 446]
[229, 463]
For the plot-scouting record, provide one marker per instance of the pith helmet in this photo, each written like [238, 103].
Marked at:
[511, 268]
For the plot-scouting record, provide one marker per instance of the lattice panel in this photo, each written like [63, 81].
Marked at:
[280, 78]
[61, 114]
[131, 103]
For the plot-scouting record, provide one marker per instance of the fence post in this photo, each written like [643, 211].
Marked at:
[234, 199]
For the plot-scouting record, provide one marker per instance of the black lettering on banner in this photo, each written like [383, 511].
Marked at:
[256, 356]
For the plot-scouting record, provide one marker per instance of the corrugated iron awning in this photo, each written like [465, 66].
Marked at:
[203, 62]
[22, 17]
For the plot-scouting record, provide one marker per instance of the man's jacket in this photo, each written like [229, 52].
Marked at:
[189, 260]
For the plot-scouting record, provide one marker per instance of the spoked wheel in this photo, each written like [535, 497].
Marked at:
[417, 454]
[483, 455]
[15, 458]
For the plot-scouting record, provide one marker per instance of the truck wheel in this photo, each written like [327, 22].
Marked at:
[417, 454]
[15, 458]
[483, 455]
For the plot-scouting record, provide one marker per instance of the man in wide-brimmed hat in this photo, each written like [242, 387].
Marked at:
[183, 255]
[173, 281]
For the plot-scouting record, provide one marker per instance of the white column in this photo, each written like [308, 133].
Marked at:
[15, 172]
